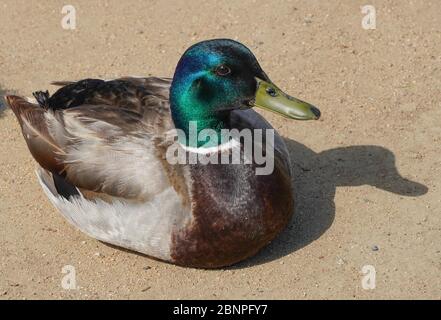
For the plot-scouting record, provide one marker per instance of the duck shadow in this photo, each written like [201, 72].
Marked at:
[316, 177]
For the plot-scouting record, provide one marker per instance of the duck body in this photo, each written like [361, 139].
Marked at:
[102, 149]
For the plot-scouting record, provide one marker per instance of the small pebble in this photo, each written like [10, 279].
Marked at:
[375, 248]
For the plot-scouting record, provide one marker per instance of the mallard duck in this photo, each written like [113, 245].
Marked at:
[101, 148]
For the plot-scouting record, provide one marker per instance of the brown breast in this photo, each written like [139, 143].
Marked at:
[235, 214]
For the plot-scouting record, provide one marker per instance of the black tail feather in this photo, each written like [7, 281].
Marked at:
[42, 98]
[64, 189]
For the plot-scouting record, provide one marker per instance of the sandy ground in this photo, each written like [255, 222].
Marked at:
[367, 175]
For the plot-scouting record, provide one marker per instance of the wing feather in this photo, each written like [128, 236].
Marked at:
[97, 143]
[112, 153]
[41, 144]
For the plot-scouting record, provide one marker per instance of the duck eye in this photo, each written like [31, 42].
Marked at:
[222, 70]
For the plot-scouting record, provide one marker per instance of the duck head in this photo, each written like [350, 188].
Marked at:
[214, 77]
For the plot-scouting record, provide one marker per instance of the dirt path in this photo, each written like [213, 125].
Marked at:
[368, 174]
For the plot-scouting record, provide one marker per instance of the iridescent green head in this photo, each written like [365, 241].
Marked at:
[215, 77]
